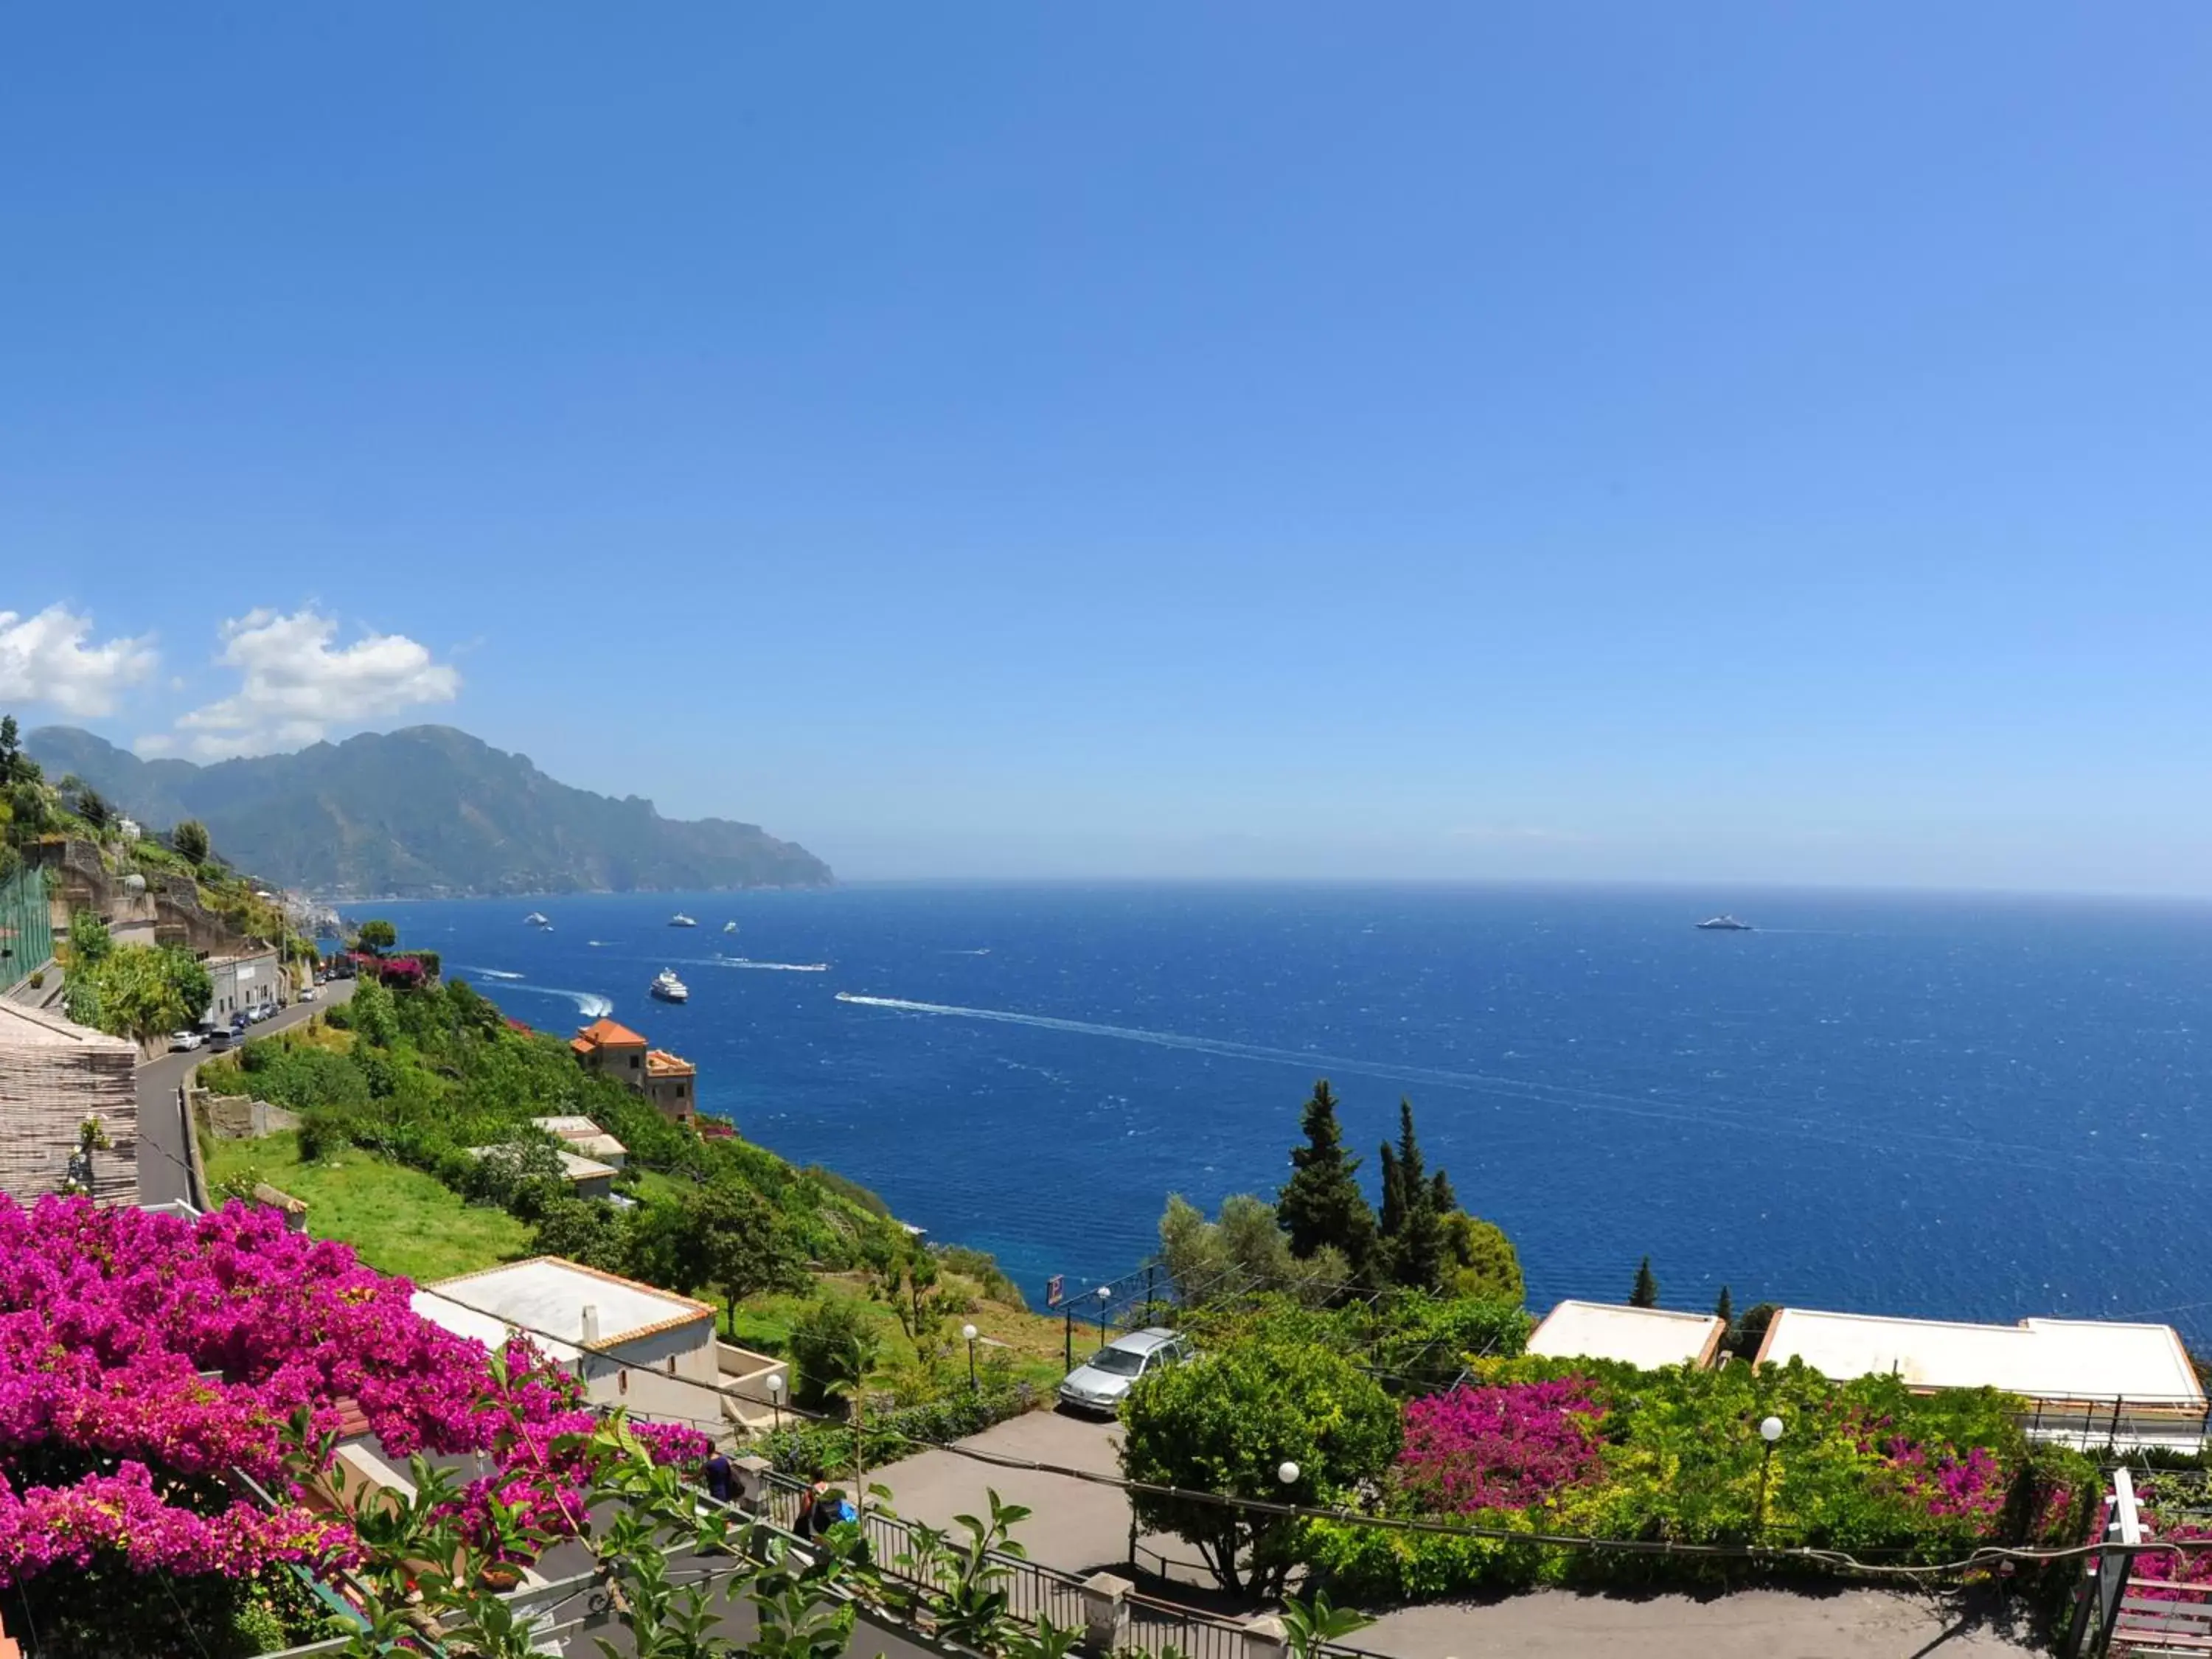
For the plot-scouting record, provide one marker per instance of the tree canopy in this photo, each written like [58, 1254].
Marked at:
[1229, 1422]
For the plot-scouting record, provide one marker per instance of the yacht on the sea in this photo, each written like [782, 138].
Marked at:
[1723, 925]
[679, 920]
[729, 926]
[668, 987]
[536, 918]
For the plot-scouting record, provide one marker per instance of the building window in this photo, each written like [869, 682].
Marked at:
[680, 1088]
[635, 1061]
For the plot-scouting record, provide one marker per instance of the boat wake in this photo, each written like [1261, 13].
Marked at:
[492, 973]
[1755, 1117]
[589, 1004]
[772, 967]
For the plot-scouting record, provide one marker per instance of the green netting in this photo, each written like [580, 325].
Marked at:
[27, 936]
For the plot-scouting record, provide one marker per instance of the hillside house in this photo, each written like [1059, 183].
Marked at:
[586, 1139]
[2091, 1382]
[1647, 1337]
[627, 1343]
[612, 1049]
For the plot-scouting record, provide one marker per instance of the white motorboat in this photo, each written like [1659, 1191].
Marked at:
[679, 920]
[669, 988]
[729, 926]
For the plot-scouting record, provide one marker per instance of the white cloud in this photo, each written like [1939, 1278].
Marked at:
[48, 659]
[295, 685]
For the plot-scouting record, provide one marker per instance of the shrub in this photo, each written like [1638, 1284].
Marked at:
[824, 1451]
[983, 1267]
[1504, 1448]
[833, 1346]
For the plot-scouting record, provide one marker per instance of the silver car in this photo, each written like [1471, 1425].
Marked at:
[1100, 1382]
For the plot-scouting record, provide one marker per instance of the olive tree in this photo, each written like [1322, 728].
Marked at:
[1234, 1422]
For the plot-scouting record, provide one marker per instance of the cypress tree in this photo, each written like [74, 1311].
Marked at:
[1724, 1310]
[1393, 1194]
[1646, 1293]
[1322, 1204]
[1412, 1223]
[1441, 1194]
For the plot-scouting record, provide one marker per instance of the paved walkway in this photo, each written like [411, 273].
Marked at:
[1845, 1624]
[1080, 1527]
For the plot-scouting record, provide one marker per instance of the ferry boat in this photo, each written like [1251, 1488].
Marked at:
[1723, 925]
[669, 988]
[679, 920]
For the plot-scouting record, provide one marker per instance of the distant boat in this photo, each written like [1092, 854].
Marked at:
[536, 918]
[729, 926]
[679, 920]
[1723, 925]
[669, 988]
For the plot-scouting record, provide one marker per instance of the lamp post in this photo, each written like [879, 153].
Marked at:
[775, 1396]
[1770, 1430]
[1288, 1473]
[1105, 1296]
[969, 1332]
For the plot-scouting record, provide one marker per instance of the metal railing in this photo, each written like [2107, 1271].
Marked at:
[1161, 1629]
[27, 934]
[2123, 1423]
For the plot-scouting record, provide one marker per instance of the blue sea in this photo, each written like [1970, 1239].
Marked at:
[1963, 1106]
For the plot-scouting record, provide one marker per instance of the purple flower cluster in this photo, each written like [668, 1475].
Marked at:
[159, 1348]
[1500, 1447]
[1949, 1485]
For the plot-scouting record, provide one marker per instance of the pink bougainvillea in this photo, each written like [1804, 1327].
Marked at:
[155, 1356]
[1505, 1447]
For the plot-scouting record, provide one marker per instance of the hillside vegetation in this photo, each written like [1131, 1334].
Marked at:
[425, 811]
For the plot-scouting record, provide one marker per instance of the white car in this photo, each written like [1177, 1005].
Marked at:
[1100, 1382]
[184, 1042]
[307, 993]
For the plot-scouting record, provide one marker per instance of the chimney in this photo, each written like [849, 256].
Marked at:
[591, 1326]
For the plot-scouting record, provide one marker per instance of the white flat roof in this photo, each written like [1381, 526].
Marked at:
[545, 1297]
[1646, 1337]
[577, 1128]
[2040, 1359]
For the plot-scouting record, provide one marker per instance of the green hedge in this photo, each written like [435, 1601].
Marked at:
[823, 1451]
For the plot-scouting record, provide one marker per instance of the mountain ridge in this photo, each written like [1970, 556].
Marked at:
[426, 811]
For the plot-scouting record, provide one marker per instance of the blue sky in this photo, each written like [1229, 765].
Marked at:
[1727, 444]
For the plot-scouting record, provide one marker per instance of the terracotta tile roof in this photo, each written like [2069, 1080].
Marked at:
[606, 1034]
[660, 1063]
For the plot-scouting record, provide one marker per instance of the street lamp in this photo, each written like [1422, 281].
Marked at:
[1288, 1473]
[969, 1332]
[1105, 1296]
[775, 1396]
[1770, 1430]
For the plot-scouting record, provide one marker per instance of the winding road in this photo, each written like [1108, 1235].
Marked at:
[164, 1176]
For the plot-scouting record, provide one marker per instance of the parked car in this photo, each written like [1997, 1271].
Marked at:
[184, 1042]
[219, 1039]
[1098, 1383]
[263, 1011]
[308, 993]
